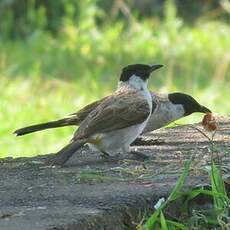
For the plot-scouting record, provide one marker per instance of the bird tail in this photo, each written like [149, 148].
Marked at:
[48, 125]
[65, 153]
[73, 119]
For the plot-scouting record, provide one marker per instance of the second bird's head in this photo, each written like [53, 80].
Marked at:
[137, 71]
[190, 105]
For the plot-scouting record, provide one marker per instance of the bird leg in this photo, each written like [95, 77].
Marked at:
[139, 155]
[104, 154]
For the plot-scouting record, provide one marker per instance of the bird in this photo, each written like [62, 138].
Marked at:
[170, 107]
[166, 108]
[119, 119]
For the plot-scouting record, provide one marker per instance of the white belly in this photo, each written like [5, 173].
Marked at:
[121, 139]
[118, 140]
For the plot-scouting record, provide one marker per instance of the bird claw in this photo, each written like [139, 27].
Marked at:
[139, 155]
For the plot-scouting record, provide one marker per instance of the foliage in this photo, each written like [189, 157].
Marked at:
[175, 194]
[21, 18]
[46, 76]
[57, 56]
[216, 218]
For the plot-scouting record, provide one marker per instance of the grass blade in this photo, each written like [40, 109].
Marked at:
[152, 220]
[163, 222]
[177, 225]
[194, 193]
[217, 187]
[173, 195]
[176, 191]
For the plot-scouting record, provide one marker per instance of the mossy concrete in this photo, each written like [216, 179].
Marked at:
[95, 193]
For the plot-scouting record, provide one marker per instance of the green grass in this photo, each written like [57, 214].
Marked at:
[29, 101]
[194, 214]
[175, 194]
[45, 77]
[215, 217]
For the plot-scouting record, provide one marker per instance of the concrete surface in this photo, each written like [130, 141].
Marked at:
[95, 193]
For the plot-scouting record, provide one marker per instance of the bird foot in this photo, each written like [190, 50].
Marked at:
[105, 155]
[139, 155]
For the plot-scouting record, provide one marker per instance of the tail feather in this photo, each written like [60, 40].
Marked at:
[49, 125]
[74, 119]
[64, 154]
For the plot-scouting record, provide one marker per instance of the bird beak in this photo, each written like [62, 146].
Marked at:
[155, 67]
[203, 109]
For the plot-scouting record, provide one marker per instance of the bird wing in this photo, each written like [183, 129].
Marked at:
[117, 111]
[84, 112]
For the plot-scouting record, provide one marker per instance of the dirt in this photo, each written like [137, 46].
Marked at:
[91, 192]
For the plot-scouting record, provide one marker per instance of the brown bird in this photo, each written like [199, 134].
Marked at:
[166, 108]
[117, 120]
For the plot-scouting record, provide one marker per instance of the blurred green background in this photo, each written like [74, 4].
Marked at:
[57, 56]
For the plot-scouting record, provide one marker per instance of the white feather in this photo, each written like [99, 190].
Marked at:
[164, 113]
[121, 139]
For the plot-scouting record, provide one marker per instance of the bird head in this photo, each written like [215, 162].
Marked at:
[138, 70]
[189, 104]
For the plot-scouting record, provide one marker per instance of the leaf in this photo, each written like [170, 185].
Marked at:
[192, 194]
[218, 186]
[152, 220]
[176, 191]
[209, 122]
[163, 222]
[173, 195]
[177, 225]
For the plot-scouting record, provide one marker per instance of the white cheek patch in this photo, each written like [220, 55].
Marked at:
[138, 82]
[170, 112]
[177, 111]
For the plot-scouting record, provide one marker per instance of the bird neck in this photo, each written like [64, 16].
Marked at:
[134, 82]
[172, 111]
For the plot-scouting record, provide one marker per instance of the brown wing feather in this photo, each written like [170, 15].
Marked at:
[84, 112]
[117, 111]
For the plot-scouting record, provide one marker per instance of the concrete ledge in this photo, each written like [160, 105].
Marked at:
[94, 193]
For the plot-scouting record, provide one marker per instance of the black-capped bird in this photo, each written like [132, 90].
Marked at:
[171, 107]
[117, 120]
[166, 108]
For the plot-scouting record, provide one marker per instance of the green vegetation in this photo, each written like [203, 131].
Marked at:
[57, 56]
[216, 216]
[47, 75]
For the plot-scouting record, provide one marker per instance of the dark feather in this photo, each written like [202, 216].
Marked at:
[118, 111]
[48, 125]
[65, 153]
[73, 119]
